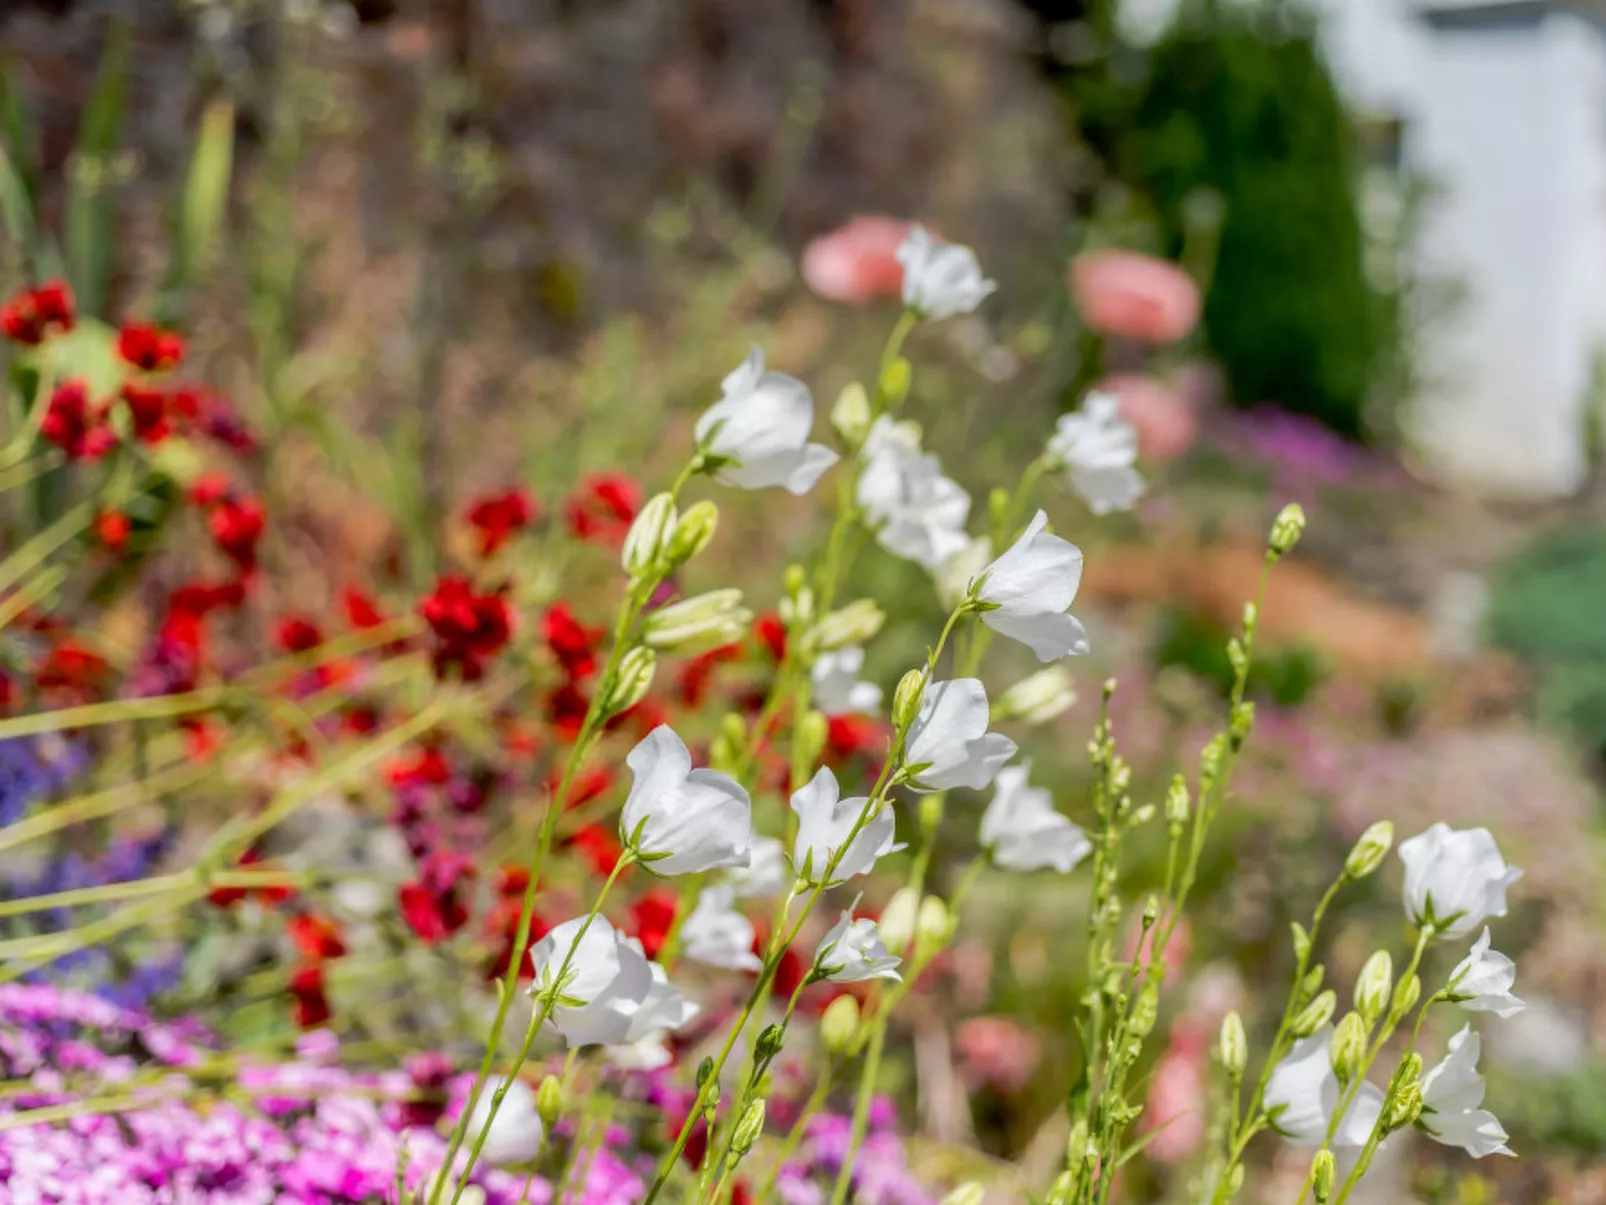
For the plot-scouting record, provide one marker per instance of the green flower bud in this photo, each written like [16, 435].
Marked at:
[1235, 1180]
[906, 699]
[726, 749]
[968, 1193]
[1406, 993]
[1411, 1068]
[1370, 850]
[1233, 1046]
[1177, 803]
[706, 621]
[1037, 699]
[1323, 1171]
[931, 809]
[1373, 988]
[748, 1129]
[856, 623]
[1301, 941]
[1404, 1109]
[1285, 532]
[1316, 1014]
[851, 414]
[933, 927]
[549, 1102]
[1145, 1010]
[896, 378]
[1243, 719]
[812, 731]
[839, 1025]
[1348, 1047]
[692, 533]
[647, 543]
[898, 919]
[631, 683]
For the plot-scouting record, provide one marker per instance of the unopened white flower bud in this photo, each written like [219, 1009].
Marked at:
[707, 620]
[1316, 1014]
[647, 543]
[748, 1129]
[895, 380]
[1404, 1109]
[856, 623]
[1373, 987]
[931, 809]
[1234, 1046]
[1145, 1010]
[851, 414]
[839, 1025]
[968, 1193]
[1348, 1047]
[933, 927]
[692, 533]
[1039, 698]
[1370, 850]
[811, 734]
[1406, 993]
[1323, 1172]
[1285, 531]
[906, 699]
[631, 683]
[549, 1102]
[898, 919]
[1177, 803]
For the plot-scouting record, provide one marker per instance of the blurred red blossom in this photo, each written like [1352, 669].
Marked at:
[469, 627]
[1136, 296]
[498, 517]
[75, 424]
[29, 316]
[603, 507]
[857, 261]
[148, 347]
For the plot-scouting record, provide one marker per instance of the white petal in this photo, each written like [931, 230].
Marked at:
[1049, 635]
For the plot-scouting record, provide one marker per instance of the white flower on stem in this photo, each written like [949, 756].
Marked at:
[664, 1010]
[1483, 981]
[516, 1132]
[1029, 588]
[1022, 830]
[1097, 448]
[851, 951]
[760, 429]
[954, 575]
[824, 823]
[1451, 1095]
[604, 986]
[837, 688]
[940, 279]
[681, 820]
[917, 513]
[765, 877]
[1455, 879]
[1036, 699]
[717, 935]
[1302, 1095]
[949, 739]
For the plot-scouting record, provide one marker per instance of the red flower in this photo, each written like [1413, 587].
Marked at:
[469, 628]
[771, 633]
[227, 897]
[603, 508]
[33, 314]
[651, 918]
[697, 674]
[297, 634]
[498, 516]
[148, 347]
[71, 667]
[427, 768]
[598, 846]
[850, 736]
[147, 412]
[587, 785]
[566, 709]
[572, 643]
[429, 1073]
[431, 904]
[236, 525]
[112, 529]
[503, 926]
[75, 425]
[210, 489]
[309, 1004]
[361, 610]
[317, 937]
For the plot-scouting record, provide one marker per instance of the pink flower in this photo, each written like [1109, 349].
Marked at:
[857, 262]
[995, 1052]
[1137, 296]
[1165, 420]
[1175, 1110]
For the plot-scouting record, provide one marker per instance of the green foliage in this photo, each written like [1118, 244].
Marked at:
[1284, 676]
[1545, 609]
[1567, 1112]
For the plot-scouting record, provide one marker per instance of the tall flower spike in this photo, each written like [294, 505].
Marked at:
[607, 980]
[681, 820]
[1097, 449]
[851, 952]
[760, 428]
[1028, 589]
[1023, 831]
[717, 935]
[1455, 879]
[1451, 1095]
[824, 821]
[940, 279]
[1483, 981]
[949, 738]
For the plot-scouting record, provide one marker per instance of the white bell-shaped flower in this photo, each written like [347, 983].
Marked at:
[663, 1011]
[1452, 1094]
[917, 513]
[716, 934]
[766, 876]
[824, 823]
[681, 820]
[1023, 831]
[1302, 1095]
[1029, 588]
[516, 1132]
[837, 687]
[1097, 448]
[949, 739]
[954, 575]
[1455, 879]
[601, 991]
[760, 427]
[940, 279]
[1483, 981]
[851, 951]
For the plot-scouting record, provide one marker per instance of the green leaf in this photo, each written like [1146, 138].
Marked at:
[88, 353]
[90, 212]
[201, 208]
[16, 182]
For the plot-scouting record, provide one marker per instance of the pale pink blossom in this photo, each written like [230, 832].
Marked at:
[1136, 296]
[1174, 1112]
[1166, 421]
[857, 262]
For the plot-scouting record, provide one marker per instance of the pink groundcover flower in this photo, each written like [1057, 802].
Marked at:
[857, 262]
[1134, 296]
